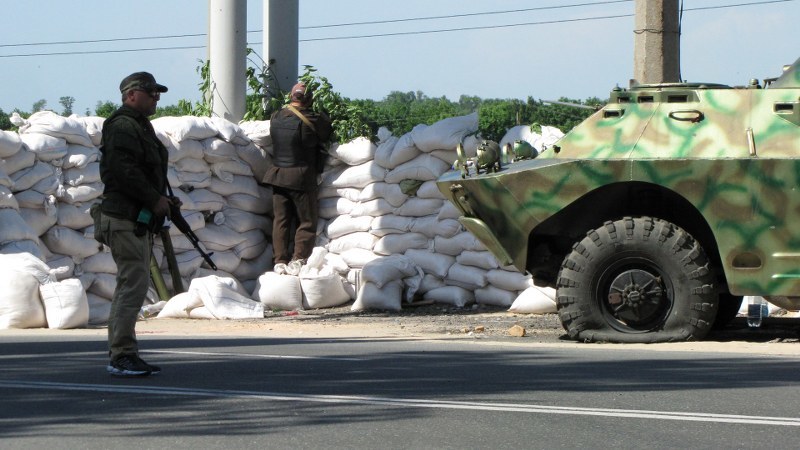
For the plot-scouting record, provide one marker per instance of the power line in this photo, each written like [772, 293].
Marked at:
[453, 16]
[754, 3]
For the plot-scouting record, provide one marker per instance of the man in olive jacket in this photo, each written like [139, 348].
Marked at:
[297, 137]
[133, 168]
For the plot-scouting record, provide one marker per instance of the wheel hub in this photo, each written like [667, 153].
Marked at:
[636, 296]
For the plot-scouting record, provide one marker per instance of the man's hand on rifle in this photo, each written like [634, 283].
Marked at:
[162, 207]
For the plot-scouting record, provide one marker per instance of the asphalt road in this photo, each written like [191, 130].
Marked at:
[251, 391]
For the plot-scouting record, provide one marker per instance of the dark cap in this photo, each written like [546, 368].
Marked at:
[141, 80]
[300, 93]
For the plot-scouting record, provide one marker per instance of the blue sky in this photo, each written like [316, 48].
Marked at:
[575, 55]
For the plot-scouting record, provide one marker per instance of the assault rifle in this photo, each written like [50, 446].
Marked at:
[177, 218]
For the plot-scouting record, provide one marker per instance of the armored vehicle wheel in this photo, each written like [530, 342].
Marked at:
[639, 280]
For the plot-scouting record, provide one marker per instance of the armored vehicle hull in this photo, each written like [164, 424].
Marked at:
[654, 216]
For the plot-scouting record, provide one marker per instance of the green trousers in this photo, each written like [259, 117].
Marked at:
[131, 254]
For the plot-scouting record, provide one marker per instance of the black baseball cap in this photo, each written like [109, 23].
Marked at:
[141, 80]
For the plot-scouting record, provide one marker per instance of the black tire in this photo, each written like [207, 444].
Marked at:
[729, 306]
[636, 280]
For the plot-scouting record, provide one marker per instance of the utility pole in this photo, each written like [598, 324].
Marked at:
[656, 49]
[281, 21]
[227, 44]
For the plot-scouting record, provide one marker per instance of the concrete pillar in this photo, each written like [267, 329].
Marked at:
[656, 49]
[227, 54]
[281, 22]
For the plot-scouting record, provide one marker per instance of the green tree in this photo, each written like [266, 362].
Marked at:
[39, 106]
[5, 122]
[67, 103]
[104, 109]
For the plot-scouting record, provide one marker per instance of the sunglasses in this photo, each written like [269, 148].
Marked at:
[155, 95]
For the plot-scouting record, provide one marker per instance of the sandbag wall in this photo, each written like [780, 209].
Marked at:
[376, 199]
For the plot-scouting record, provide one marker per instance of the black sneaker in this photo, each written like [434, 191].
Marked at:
[154, 370]
[131, 366]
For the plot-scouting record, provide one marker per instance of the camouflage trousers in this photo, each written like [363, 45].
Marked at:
[131, 254]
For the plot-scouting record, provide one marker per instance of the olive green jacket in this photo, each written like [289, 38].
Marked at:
[133, 166]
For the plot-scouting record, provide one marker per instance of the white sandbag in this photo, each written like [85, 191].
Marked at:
[197, 165]
[93, 126]
[508, 280]
[430, 282]
[62, 266]
[357, 257]
[50, 123]
[355, 176]
[82, 193]
[99, 309]
[179, 150]
[466, 276]
[351, 194]
[431, 226]
[5, 180]
[429, 189]
[101, 262]
[80, 156]
[7, 200]
[391, 224]
[65, 304]
[336, 263]
[46, 147]
[217, 150]
[419, 207]
[20, 304]
[457, 244]
[382, 271]
[359, 239]
[423, 168]
[397, 244]
[23, 159]
[180, 305]
[346, 224]
[491, 295]
[358, 151]
[206, 200]
[257, 131]
[225, 298]
[323, 291]
[450, 295]
[196, 180]
[188, 261]
[33, 247]
[14, 227]
[449, 211]
[391, 192]
[70, 242]
[103, 285]
[239, 185]
[254, 243]
[517, 133]
[404, 150]
[483, 259]
[258, 159]
[50, 185]
[331, 207]
[33, 199]
[10, 143]
[74, 216]
[186, 127]
[261, 204]
[434, 263]
[446, 133]
[27, 178]
[535, 300]
[241, 221]
[251, 269]
[384, 151]
[225, 170]
[39, 220]
[373, 208]
[230, 131]
[82, 175]
[279, 292]
[387, 298]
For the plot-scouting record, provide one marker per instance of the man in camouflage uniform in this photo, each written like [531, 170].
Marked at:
[297, 137]
[133, 168]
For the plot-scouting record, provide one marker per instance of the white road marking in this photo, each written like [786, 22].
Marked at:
[409, 403]
[250, 355]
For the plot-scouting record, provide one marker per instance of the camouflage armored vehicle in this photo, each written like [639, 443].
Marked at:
[654, 216]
